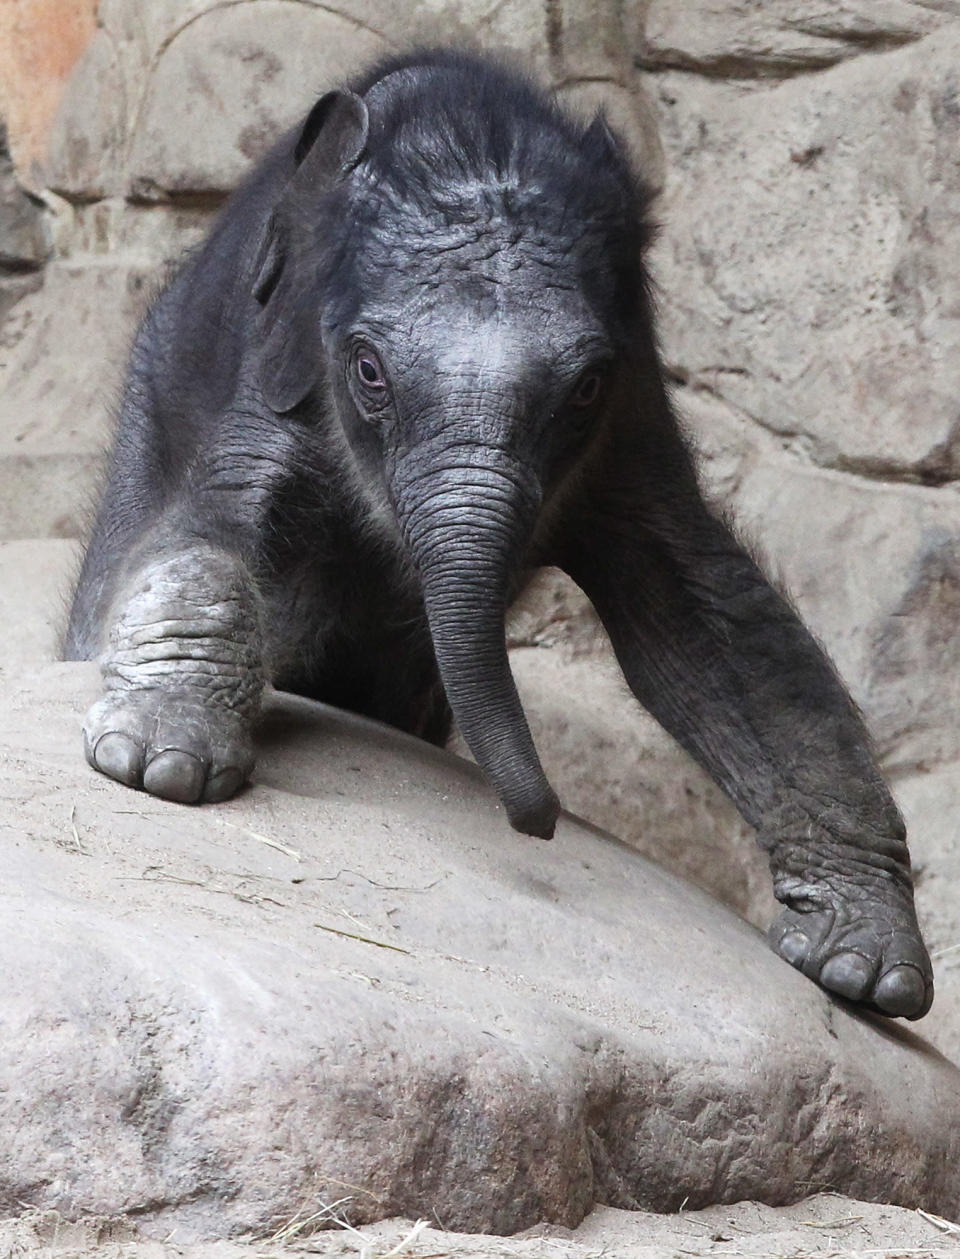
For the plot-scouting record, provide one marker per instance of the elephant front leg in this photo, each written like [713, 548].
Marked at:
[183, 676]
[711, 650]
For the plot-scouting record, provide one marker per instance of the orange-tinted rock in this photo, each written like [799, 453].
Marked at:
[40, 43]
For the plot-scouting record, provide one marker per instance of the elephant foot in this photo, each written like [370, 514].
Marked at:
[169, 744]
[865, 948]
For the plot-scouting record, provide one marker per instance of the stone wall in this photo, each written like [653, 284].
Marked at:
[810, 306]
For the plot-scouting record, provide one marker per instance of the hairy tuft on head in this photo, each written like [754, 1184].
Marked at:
[444, 118]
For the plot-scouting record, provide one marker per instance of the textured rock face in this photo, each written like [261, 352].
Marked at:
[742, 39]
[815, 295]
[41, 42]
[23, 244]
[241, 64]
[176, 99]
[356, 975]
[60, 348]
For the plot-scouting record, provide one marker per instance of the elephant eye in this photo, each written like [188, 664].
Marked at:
[370, 370]
[587, 389]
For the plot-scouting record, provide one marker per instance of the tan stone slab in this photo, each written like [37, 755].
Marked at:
[356, 974]
[62, 355]
[737, 37]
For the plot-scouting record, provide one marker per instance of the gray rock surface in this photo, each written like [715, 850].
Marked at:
[930, 799]
[818, 295]
[62, 351]
[356, 974]
[738, 38]
[23, 239]
[251, 71]
[23, 243]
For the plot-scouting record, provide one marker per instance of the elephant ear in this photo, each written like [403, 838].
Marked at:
[599, 140]
[329, 146]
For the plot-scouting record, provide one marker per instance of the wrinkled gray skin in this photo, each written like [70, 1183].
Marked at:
[414, 361]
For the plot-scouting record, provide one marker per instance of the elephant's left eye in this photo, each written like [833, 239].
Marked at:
[369, 370]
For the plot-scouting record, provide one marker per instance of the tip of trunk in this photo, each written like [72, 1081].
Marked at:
[535, 817]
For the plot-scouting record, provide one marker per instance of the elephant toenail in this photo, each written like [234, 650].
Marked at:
[175, 775]
[118, 756]
[848, 974]
[223, 785]
[901, 990]
[794, 948]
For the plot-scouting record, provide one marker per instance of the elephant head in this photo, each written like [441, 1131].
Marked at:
[458, 300]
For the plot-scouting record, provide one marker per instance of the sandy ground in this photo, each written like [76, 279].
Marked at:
[827, 1226]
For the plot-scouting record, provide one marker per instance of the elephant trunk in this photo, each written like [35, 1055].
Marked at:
[466, 525]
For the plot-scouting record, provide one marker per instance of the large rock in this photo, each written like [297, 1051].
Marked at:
[62, 351]
[23, 239]
[740, 38]
[930, 799]
[23, 243]
[807, 267]
[250, 71]
[357, 975]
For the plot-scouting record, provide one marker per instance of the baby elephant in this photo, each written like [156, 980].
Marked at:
[414, 361]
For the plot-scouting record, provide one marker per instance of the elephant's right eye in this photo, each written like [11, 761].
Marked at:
[587, 389]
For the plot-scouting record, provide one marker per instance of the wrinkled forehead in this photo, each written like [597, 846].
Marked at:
[480, 254]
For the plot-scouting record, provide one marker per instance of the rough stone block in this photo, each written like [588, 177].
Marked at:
[930, 799]
[357, 974]
[741, 38]
[807, 266]
[85, 151]
[62, 351]
[250, 71]
[23, 242]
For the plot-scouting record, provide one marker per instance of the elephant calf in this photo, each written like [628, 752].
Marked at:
[415, 360]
